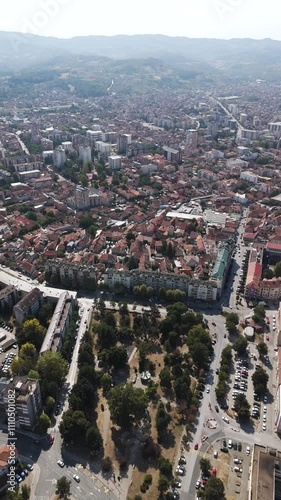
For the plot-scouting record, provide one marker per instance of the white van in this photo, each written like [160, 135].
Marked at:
[230, 443]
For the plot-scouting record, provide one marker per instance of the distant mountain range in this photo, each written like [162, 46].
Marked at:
[244, 57]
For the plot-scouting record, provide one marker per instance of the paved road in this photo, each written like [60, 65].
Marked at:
[46, 458]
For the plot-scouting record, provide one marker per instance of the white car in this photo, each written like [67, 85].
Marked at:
[248, 450]
[198, 484]
[264, 409]
[226, 420]
[60, 463]
[264, 427]
[238, 469]
[215, 454]
[180, 470]
[264, 418]
[76, 478]
[208, 390]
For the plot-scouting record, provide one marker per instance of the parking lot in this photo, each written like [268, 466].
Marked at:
[7, 354]
[241, 381]
[231, 460]
[239, 470]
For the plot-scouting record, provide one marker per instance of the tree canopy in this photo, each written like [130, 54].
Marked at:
[214, 489]
[63, 488]
[127, 405]
[242, 407]
[33, 332]
[260, 379]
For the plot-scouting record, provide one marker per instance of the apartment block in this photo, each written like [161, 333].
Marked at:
[73, 272]
[8, 297]
[59, 323]
[205, 290]
[28, 306]
[27, 401]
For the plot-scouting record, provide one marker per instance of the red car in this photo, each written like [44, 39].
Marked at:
[196, 446]
[52, 439]
[267, 338]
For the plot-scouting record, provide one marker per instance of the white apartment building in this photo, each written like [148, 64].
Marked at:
[114, 162]
[249, 176]
[59, 157]
[275, 129]
[28, 401]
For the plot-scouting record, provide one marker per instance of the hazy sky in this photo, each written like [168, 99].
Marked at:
[192, 18]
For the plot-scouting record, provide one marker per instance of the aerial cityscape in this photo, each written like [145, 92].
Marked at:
[140, 263]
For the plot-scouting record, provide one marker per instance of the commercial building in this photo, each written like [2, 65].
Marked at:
[265, 474]
[28, 306]
[222, 265]
[28, 403]
[59, 323]
[254, 274]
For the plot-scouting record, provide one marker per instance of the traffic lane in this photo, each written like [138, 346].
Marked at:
[86, 488]
[89, 484]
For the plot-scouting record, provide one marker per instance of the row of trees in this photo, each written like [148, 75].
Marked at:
[170, 295]
[78, 425]
[224, 373]
[231, 322]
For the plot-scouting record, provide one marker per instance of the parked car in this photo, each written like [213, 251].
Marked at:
[180, 470]
[238, 469]
[60, 463]
[76, 478]
[178, 483]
